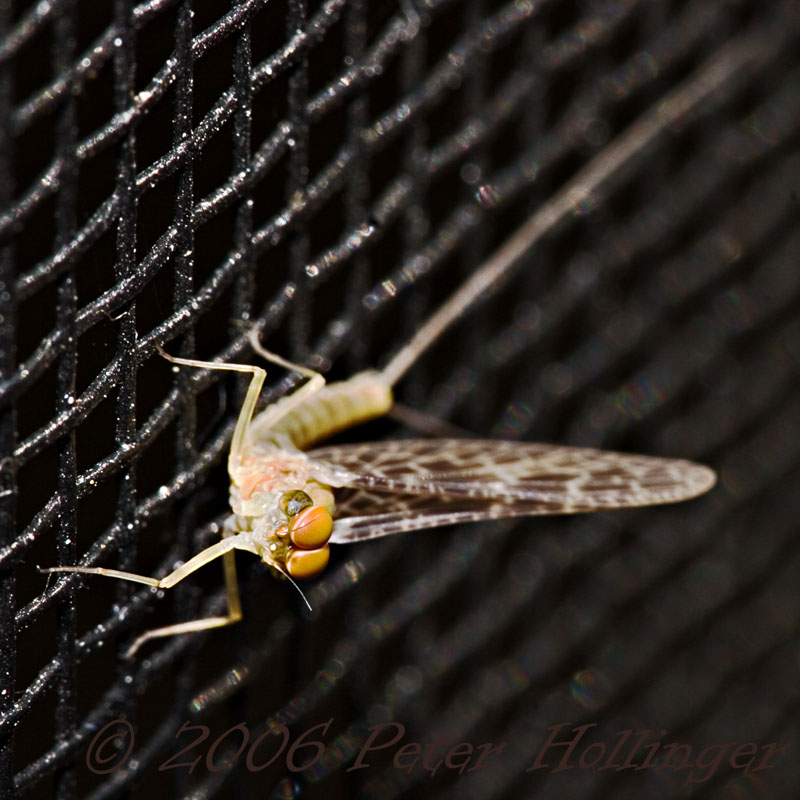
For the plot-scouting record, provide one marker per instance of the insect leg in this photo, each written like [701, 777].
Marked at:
[248, 407]
[234, 612]
[168, 581]
[271, 414]
[223, 548]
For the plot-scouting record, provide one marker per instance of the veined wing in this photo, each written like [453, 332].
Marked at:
[413, 484]
[363, 514]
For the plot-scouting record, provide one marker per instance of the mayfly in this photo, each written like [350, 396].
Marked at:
[289, 506]
[283, 501]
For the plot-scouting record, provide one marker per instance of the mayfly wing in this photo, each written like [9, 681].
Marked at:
[414, 484]
[485, 468]
[363, 514]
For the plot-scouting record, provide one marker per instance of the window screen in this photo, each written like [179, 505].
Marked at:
[174, 172]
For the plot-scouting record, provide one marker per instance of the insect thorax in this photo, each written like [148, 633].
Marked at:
[280, 513]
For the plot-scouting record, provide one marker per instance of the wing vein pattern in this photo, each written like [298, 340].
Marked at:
[412, 484]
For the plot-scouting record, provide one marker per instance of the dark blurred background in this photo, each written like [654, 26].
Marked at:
[173, 171]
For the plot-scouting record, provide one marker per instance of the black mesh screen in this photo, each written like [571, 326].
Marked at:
[172, 172]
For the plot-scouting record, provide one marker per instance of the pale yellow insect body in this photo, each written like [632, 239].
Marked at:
[272, 464]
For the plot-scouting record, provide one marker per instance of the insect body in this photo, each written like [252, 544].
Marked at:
[283, 503]
[281, 499]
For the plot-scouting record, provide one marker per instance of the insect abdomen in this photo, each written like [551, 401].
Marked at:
[334, 407]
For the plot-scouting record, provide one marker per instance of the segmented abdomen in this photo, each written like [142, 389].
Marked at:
[334, 407]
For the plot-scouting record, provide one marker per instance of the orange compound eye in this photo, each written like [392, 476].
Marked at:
[311, 528]
[304, 564]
